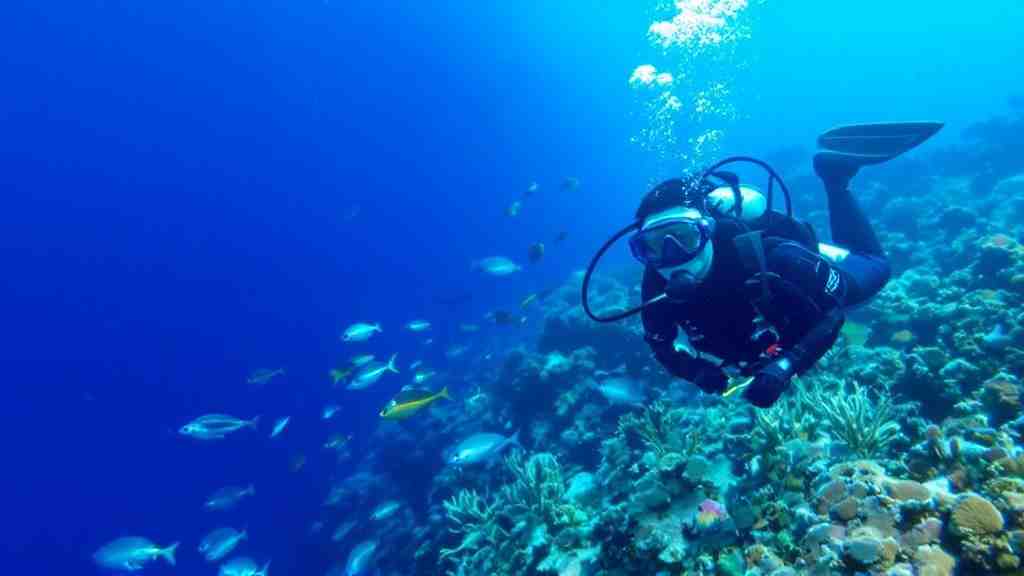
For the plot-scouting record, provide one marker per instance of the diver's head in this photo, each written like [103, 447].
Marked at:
[675, 234]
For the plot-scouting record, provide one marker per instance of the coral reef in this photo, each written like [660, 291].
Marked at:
[899, 454]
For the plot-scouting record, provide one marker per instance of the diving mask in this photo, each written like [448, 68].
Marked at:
[671, 238]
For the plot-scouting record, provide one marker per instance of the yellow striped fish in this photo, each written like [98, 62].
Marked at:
[408, 402]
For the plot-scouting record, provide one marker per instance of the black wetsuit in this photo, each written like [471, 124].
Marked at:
[806, 310]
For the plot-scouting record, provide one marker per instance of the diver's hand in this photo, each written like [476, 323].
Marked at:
[710, 378]
[770, 382]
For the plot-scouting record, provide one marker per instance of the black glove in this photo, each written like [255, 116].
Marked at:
[770, 382]
[710, 378]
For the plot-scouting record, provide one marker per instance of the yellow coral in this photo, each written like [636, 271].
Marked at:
[976, 516]
[902, 337]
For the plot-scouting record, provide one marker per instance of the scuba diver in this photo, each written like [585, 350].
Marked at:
[755, 293]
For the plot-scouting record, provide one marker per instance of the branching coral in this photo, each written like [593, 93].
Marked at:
[866, 426]
[661, 430]
[500, 536]
[771, 428]
[538, 489]
[472, 517]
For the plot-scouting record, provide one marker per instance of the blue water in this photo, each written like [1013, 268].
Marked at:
[176, 178]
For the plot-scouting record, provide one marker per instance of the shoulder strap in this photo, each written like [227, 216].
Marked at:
[750, 247]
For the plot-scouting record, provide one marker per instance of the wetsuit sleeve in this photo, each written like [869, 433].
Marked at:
[817, 291]
[660, 331]
[818, 340]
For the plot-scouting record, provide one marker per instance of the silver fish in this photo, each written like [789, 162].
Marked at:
[131, 553]
[385, 510]
[329, 411]
[497, 266]
[360, 332]
[362, 360]
[422, 376]
[229, 497]
[279, 426]
[455, 351]
[216, 426]
[243, 566]
[220, 542]
[372, 372]
[360, 559]
[264, 375]
[342, 530]
[418, 326]
[622, 391]
[480, 447]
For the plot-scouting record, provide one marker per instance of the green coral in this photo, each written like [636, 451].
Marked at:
[473, 518]
[500, 536]
[661, 430]
[538, 490]
[867, 426]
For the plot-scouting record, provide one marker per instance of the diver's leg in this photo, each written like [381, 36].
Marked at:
[865, 274]
[850, 227]
[866, 267]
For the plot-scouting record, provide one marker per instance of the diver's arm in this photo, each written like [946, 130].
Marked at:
[824, 288]
[818, 340]
[660, 331]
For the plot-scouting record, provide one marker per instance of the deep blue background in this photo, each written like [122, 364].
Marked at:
[175, 178]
